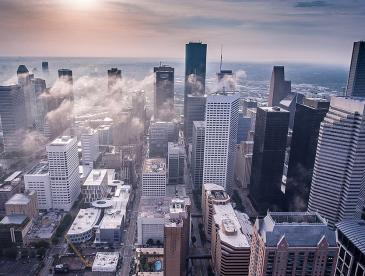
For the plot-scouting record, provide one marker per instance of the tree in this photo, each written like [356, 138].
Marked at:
[149, 242]
[158, 243]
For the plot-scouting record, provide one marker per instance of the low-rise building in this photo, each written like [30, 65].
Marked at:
[82, 228]
[37, 179]
[154, 177]
[95, 186]
[14, 229]
[105, 262]
[23, 204]
[150, 255]
[299, 243]
[8, 188]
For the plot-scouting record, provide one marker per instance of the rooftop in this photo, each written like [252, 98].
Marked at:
[40, 168]
[84, 221]
[96, 177]
[13, 176]
[230, 230]
[354, 230]
[61, 141]
[19, 199]
[273, 109]
[154, 165]
[105, 261]
[14, 219]
[151, 207]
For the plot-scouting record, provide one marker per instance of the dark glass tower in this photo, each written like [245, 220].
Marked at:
[307, 121]
[164, 93]
[268, 158]
[195, 112]
[279, 87]
[114, 75]
[356, 81]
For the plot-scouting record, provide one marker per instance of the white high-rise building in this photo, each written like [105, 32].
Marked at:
[338, 183]
[63, 163]
[221, 123]
[90, 146]
[154, 177]
[37, 179]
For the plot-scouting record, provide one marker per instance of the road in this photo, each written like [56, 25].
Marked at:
[48, 260]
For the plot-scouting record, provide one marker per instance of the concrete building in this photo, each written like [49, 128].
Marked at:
[244, 126]
[13, 117]
[160, 134]
[37, 179]
[63, 165]
[230, 243]
[226, 79]
[251, 112]
[40, 104]
[105, 262]
[8, 188]
[95, 186]
[197, 155]
[279, 87]
[177, 237]
[90, 146]
[82, 228]
[337, 189]
[23, 204]
[356, 80]
[105, 134]
[25, 82]
[114, 76]
[175, 163]
[292, 244]
[154, 177]
[212, 194]
[195, 111]
[246, 104]
[268, 158]
[243, 163]
[221, 122]
[14, 229]
[164, 93]
[351, 240]
[303, 146]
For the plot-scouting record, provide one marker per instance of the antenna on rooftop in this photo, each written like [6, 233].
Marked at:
[220, 66]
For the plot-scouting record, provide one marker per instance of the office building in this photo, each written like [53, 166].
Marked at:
[243, 163]
[289, 104]
[244, 127]
[90, 146]
[154, 177]
[351, 240]
[164, 93]
[308, 118]
[41, 107]
[292, 244]
[95, 186]
[23, 204]
[14, 229]
[226, 80]
[212, 194]
[195, 111]
[246, 104]
[230, 241]
[221, 123]
[66, 78]
[160, 134]
[356, 80]
[114, 77]
[13, 117]
[268, 157]
[279, 87]
[63, 165]
[337, 188]
[175, 163]
[45, 67]
[82, 228]
[24, 80]
[251, 112]
[37, 179]
[197, 155]
[8, 188]
[177, 237]
[65, 75]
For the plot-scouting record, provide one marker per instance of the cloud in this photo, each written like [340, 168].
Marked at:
[312, 4]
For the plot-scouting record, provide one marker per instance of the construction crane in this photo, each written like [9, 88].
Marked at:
[87, 263]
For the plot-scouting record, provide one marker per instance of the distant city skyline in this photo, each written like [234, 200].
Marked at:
[262, 31]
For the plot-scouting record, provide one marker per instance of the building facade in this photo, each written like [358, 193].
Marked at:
[23, 204]
[197, 155]
[279, 87]
[154, 178]
[195, 111]
[356, 80]
[160, 134]
[164, 93]
[175, 163]
[90, 146]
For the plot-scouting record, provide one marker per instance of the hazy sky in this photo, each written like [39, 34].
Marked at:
[250, 30]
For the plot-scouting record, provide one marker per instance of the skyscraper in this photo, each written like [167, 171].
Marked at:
[356, 81]
[338, 187]
[307, 120]
[13, 116]
[221, 123]
[45, 67]
[154, 177]
[41, 107]
[24, 80]
[293, 244]
[160, 134]
[65, 76]
[164, 92]
[226, 80]
[279, 87]
[197, 155]
[90, 146]
[114, 75]
[63, 165]
[268, 157]
[195, 105]
[175, 163]
[244, 126]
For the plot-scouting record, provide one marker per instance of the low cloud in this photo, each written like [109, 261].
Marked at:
[311, 4]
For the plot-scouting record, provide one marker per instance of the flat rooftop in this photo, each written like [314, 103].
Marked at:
[19, 199]
[13, 176]
[154, 165]
[40, 168]
[84, 221]
[296, 218]
[218, 194]
[230, 231]
[354, 230]
[61, 141]
[105, 261]
[273, 109]
[14, 219]
[151, 207]
[96, 177]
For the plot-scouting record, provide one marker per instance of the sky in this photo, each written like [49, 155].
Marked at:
[249, 30]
